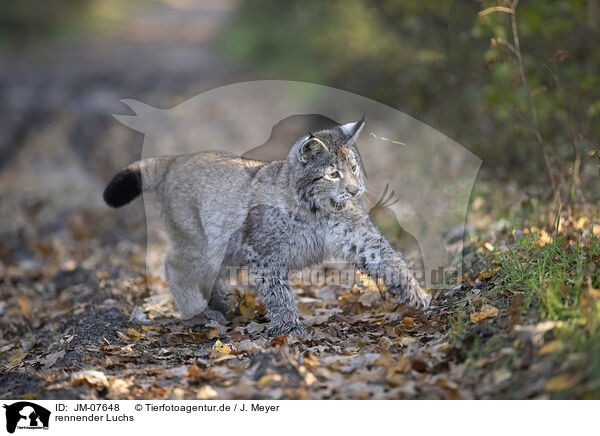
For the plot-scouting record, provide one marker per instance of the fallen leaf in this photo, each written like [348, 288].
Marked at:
[15, 357]
[254, 328]
[309, 379]
[267, 378]
[384, 359]
[26, 308]
[219, 349]
[118, 388]
[511, 293]
[134, 334]
[491, 312]
[544, 238]
[368, 282]
[561, 382]
[385, 343]
[581, 223]
[279, 340]
[247, 306]
[206, 393]
[484, 275]
[551, 347]
[90, 378]
[403, 364]
[501, 375]
[408, 323]
[446, 384]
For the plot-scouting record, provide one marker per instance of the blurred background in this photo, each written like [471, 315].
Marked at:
[515, 82]
[457, 66]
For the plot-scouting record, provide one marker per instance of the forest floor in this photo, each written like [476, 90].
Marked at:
[79, 320]
[522, 323]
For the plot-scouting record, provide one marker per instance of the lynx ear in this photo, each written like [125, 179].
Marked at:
[352, 130]
[310, 148]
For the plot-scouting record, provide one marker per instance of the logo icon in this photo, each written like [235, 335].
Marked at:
[26, 415]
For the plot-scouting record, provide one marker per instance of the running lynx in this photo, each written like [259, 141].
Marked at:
[221, 210]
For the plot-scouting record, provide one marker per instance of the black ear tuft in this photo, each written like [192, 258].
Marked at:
[352, 130]
[124, 187]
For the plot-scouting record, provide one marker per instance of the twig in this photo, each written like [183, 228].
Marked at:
[538, 135]
[576, 182]
[496, 9]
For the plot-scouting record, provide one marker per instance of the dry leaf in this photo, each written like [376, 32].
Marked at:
[551, 347]
[247, 306]
[15, 357]
[490, 312]
[368, 282]
[118, 388]
[385, 343]
[134, 334]
[26, 308]
[561, 382]
[501, 375]
[90, 378]
[267, 378]
[219, 349]
[544, 238]
[279, 340]
[403, 364]
[581, 223]
[484, 275]
[309, 379]
[384, 360]
[446, 384]
[206, 393]
[408, 323]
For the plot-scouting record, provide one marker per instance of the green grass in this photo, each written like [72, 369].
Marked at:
[555, 278]
[542, 273]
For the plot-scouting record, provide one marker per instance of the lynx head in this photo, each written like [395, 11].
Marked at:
[327, 168]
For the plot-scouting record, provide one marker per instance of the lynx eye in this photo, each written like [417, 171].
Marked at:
[334, 175]
[354, 169]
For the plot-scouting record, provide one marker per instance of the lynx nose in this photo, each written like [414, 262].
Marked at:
[352, 190]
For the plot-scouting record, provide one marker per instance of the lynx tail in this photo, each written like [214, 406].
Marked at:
[125, 186]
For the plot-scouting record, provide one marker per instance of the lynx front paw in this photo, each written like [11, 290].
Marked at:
[413, 296]
[287, 329]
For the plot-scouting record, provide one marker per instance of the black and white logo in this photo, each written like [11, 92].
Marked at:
[26, 415]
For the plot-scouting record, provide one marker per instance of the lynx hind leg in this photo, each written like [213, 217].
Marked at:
[218, 297]
[184, 278]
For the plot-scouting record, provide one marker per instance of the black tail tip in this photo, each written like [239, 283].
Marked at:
[124, 187]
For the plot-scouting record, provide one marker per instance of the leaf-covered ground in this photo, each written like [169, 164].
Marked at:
[522, 323]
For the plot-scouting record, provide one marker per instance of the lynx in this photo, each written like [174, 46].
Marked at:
[221, 210]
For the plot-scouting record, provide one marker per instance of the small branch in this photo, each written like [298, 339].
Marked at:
[538, 135]
[505, 43]
[576, 182]
[496, 9]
